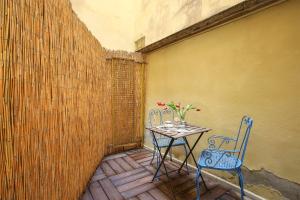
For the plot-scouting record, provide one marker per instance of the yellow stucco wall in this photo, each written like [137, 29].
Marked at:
[250, 66]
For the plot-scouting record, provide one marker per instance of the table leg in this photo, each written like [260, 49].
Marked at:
[159, 151]
[188, 145]
[191, 153]
[162, 158]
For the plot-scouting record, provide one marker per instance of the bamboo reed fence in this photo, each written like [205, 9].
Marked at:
[127, 72]
[59, 103]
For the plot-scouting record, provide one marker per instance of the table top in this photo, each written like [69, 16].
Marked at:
[176, 133]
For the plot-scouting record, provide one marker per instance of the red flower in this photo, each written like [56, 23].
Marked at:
[178, 105]
[160, 103]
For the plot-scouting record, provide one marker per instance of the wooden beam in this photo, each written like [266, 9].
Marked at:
[242, 9]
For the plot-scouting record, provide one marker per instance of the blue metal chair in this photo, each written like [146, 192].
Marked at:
[218, 157]
[156, 118]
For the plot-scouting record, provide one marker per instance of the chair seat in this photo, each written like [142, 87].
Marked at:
[165, 141]
[218, 160]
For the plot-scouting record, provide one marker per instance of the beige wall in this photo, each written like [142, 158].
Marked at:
[250, 66]
[111, 22]
[118, 23]
[158, 19]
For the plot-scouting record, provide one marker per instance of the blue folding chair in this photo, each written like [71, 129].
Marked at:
[156, 118]
[218, 157]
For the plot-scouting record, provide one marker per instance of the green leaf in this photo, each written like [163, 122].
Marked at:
[172, 106]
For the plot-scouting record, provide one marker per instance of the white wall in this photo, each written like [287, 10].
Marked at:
[117, 24]
[158, 19]
[110, 21]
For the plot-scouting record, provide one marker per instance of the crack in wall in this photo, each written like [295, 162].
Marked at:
[192, 11]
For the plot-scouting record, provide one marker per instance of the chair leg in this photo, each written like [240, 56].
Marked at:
[170, 153]
[198, 174]
[186, 164]
[241, 182]
[158, 158]
[154, 152]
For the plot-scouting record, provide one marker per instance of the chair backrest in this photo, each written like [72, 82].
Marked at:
[155, 117]
[243, 136]
[167, 115]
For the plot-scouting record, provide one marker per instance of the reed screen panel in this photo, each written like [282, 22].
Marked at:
[55, 101]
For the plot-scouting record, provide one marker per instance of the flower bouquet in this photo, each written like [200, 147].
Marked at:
[180, 110]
